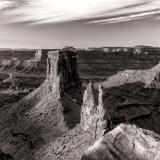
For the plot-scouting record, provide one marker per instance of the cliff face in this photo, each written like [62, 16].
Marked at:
[62, 69]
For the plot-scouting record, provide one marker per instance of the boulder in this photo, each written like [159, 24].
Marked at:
[125, 142]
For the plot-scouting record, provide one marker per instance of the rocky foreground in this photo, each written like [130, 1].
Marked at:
[125, 142]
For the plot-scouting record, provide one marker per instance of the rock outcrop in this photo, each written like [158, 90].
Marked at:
[149, 77]
[125, 142]
[40, 115]
[94, 117]
[62, 69]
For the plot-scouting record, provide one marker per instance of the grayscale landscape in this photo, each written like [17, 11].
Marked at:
[80, 80]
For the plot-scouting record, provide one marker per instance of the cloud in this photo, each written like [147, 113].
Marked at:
[4, 4]
[100, 11]
[128, 17]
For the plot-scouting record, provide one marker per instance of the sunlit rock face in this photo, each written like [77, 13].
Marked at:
[149, 77]
[52, 72]
[88, 108]
[152, 78]
[125, 142]
[94, 117]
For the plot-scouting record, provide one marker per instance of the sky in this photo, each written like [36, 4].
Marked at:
[79, 23]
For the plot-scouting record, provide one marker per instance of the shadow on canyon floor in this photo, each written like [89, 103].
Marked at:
[132, 103]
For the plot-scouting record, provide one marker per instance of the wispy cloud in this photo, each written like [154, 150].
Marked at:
[100, 11]
[127, 17]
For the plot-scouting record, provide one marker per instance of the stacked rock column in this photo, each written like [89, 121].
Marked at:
[52, 72]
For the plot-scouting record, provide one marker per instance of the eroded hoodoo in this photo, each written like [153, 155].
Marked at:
[94, 117]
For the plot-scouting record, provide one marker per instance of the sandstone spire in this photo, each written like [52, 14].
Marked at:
[101, 114]
[93, 118]
[88, 108]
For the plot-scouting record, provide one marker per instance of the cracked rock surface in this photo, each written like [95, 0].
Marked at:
[125, 142]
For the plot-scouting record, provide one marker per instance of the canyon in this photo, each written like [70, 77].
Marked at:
[94, 104]
[24, 68]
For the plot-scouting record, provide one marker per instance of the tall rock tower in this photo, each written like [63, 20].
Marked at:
[62, 70]
[88, 109]
[94, 117]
